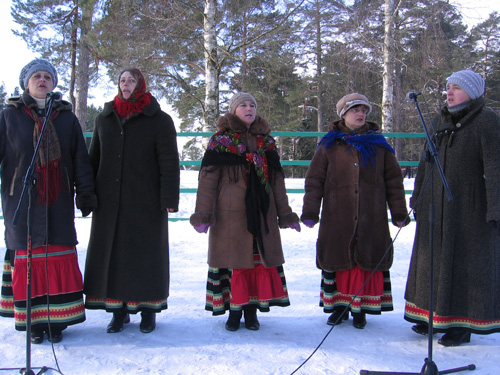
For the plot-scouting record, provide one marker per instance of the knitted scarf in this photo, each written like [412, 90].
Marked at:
[366, 143]
[138, 100]
[48, 162]
[226, 148]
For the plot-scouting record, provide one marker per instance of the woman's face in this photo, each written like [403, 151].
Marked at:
[40, 84]
[355, 117]
[246, 112]
[127, 84]
[456, 95]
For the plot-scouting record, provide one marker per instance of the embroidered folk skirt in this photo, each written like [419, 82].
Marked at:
[132, 307]
[231, 289]
[56, 287]
[441, 324]
[339, 288]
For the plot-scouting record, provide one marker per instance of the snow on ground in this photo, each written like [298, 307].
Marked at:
[188, 340]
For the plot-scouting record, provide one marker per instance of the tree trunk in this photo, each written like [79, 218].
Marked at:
[319, 66]
[84, 63]
[388, 71]
[211, 112]
[73, 52]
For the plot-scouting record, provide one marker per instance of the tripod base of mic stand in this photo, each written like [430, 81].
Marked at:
[30, 372]
[429, 368]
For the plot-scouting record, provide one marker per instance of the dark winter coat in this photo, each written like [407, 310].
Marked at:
[16, 153]
[220, 202]
[353, 200]
[136, 165]
[466, 231]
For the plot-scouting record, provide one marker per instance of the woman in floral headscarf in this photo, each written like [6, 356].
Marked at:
[242, 200]
[136, 165]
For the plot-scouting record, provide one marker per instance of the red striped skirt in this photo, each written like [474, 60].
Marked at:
[339, 288]
[56, 287]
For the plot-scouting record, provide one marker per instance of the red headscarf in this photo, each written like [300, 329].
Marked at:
[138, 100]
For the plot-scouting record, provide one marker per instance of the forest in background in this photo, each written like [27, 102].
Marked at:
[298, 58]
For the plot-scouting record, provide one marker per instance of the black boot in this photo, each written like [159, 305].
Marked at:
[148, 322]
[36, 335]
[359, 320]
[421, 329]
[119, 318]
[455, 337]
[233, 322]
[251, 321]
[55, 335]
[337, 312]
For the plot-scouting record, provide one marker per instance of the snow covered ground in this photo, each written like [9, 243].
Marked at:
[188, 340]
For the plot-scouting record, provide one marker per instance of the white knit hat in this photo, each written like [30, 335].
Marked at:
[239, 98]
[471, 82]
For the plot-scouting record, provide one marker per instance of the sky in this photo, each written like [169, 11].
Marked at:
[16, 54]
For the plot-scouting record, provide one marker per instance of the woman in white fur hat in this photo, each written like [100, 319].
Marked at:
[353, 176]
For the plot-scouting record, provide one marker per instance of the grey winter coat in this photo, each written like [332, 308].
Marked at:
[466, 231]
[16, 152]
[136, 165]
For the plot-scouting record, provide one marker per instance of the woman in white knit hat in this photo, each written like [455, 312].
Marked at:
[466, 239]
[242, 200]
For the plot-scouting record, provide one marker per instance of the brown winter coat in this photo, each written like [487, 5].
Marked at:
[466, 231]
[220, 202]
[137, 178]
[353, 198]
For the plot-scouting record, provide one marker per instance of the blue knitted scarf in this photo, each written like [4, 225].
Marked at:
[366, 143]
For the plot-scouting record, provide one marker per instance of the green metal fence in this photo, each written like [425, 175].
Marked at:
[289, 162]
[283, 162]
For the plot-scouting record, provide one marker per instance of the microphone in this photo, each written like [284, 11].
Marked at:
[412, 95]
[55, 96]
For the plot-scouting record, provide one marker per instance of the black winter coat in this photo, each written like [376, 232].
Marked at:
[136, 165]
[466, 236]
[16, 152]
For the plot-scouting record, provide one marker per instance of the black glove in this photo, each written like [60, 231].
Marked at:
[86, 211]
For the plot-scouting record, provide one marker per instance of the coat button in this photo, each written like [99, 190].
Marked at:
[356, 191]
[356, 164]
[459, 125]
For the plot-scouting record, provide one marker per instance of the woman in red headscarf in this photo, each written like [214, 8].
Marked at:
[136, 165]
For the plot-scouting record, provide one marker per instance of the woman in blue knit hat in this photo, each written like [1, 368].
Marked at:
[63, 175]
[466, 239]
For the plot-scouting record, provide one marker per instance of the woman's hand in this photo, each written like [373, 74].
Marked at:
[309, 223]
[201, 228]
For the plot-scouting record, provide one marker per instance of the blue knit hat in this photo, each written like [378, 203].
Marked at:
[36, 65]
[471, 82]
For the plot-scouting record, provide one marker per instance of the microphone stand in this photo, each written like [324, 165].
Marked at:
[28, 186]
[429, 367]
